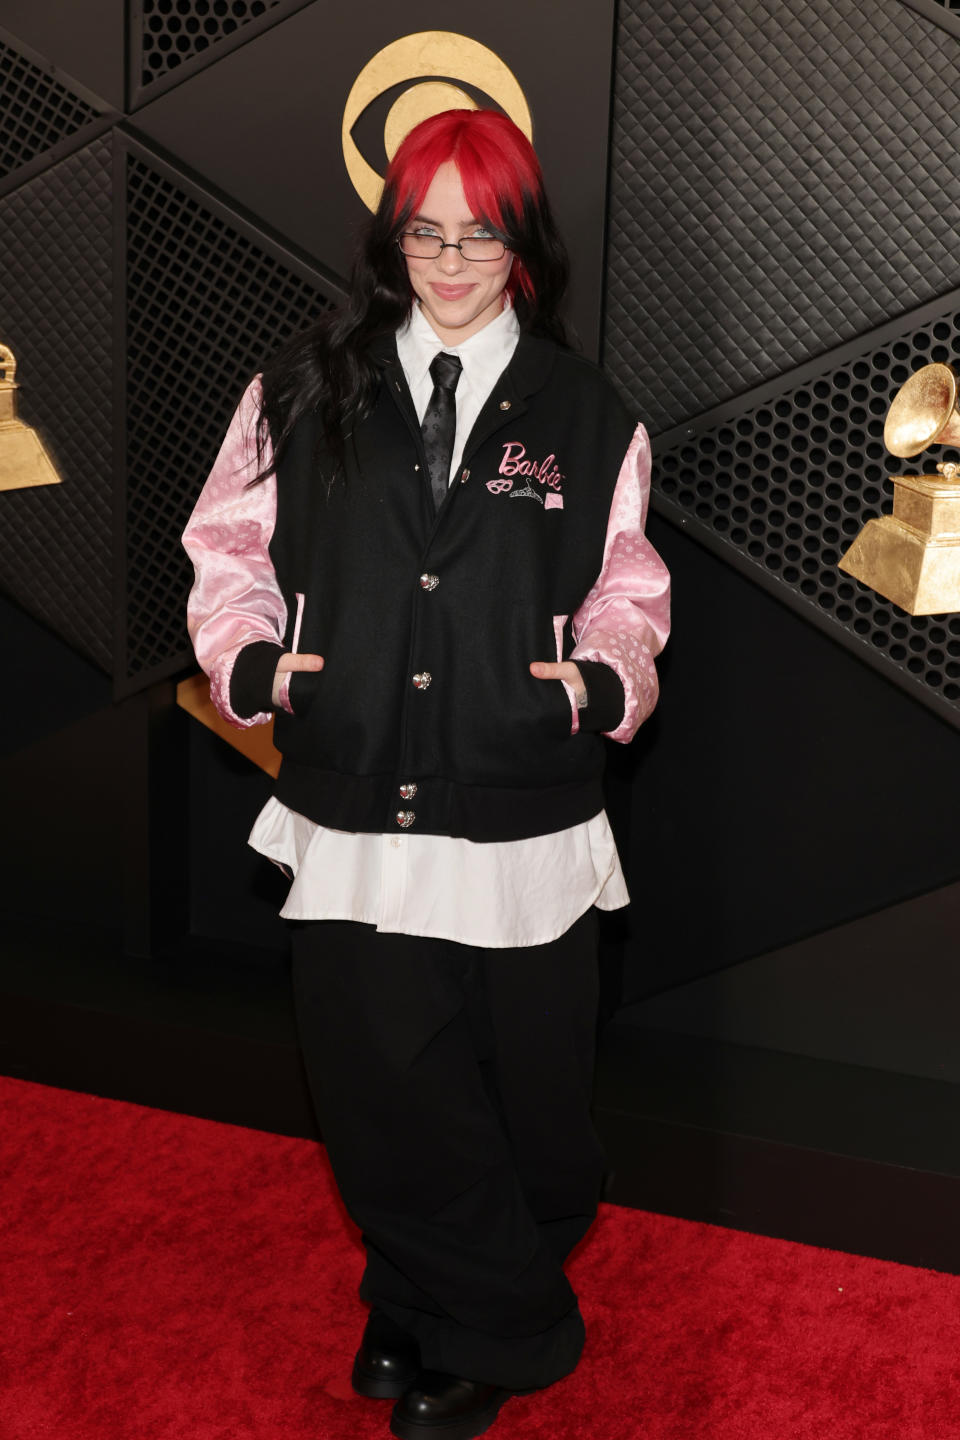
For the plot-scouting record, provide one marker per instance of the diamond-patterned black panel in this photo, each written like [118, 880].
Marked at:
[56, 542]
[35, 111]
[782, 181]
[176, 30]
[789, 484]
[205, 307]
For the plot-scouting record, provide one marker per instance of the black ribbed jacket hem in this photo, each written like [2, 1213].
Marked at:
[482, 813]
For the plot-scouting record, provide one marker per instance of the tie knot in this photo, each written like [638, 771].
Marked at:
[445, 370]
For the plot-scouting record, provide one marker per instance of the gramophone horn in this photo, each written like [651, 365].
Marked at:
[924, 412]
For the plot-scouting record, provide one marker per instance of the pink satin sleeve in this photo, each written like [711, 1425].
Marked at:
[625, 619]
[235, 597]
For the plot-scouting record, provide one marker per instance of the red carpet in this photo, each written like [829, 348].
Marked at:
[165, 1278]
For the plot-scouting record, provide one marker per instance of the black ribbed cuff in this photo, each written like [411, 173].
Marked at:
[251, 684]
[304, 685]
[606, 701]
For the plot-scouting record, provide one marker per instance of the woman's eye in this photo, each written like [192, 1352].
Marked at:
[481, 233]
[424, 230]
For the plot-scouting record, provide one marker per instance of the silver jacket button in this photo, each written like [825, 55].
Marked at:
[429, 582]
[504, 404]
[405, 819]
[422, 679]
[408, 791]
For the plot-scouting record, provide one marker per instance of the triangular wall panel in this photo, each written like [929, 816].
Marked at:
[784, 485]
[56, 313]
[782, 181]
[37, 112]
[208, 301]
[781, 184]
[85, 40]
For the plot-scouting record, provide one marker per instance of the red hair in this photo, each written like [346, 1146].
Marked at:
[499, 171]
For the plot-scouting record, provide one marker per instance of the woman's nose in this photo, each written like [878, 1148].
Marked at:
[451, 261]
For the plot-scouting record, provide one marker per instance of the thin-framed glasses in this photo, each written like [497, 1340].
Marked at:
[422, 245]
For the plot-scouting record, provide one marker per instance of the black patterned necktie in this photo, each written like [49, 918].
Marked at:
[440, 423]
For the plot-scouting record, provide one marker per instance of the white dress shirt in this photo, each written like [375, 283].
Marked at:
[507, 893]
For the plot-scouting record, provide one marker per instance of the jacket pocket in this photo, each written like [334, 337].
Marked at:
[559, 621]
[304, 684]
[298, 622]
[553, 705]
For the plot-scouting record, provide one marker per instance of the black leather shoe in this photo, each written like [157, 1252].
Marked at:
[441, 1407]
[388, 1361]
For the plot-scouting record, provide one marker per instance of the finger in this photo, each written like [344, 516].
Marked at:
[553, 670]
[299, 662]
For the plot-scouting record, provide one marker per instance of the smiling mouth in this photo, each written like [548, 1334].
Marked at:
[451, 292]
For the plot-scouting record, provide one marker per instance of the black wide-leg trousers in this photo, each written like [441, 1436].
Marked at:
[452, 1086]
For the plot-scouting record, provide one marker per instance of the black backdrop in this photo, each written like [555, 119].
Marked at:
[761, 207]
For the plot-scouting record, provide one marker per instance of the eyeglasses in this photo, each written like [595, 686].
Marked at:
[422, 245]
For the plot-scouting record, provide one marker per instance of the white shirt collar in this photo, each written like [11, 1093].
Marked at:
[483, 355]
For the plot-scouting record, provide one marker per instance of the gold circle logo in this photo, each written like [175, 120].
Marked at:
[423, 57]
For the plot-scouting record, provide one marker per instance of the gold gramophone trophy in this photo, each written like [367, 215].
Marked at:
[912, 557]
[23, 460]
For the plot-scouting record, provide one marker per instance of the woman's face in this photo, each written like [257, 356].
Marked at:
[457, 296]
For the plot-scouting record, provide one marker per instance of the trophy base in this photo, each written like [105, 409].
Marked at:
[912, 557]
[23, 460]
[919, 573]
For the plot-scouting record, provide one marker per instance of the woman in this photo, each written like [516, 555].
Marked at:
[422, 547]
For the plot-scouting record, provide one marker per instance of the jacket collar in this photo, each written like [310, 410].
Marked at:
[532, 362]
[529, 367]
[528, 371]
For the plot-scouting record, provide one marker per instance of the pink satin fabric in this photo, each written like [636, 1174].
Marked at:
[625, 619]
[235, 597]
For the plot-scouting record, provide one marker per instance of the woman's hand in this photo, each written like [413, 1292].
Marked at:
[290, 662]
[561, 670]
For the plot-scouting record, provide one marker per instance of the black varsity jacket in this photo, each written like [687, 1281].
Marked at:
[425, 715]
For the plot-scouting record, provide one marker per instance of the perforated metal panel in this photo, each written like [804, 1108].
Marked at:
[206, 306]
[35, 111]
[176, 30]
[788, 485]
[782, 181]
[780, 185]
[56, 305]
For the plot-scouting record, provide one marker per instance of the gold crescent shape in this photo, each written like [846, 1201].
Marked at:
[423, 56]
[419, 103]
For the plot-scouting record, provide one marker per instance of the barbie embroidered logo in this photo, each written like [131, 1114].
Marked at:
[515, 462]
[515, 465]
